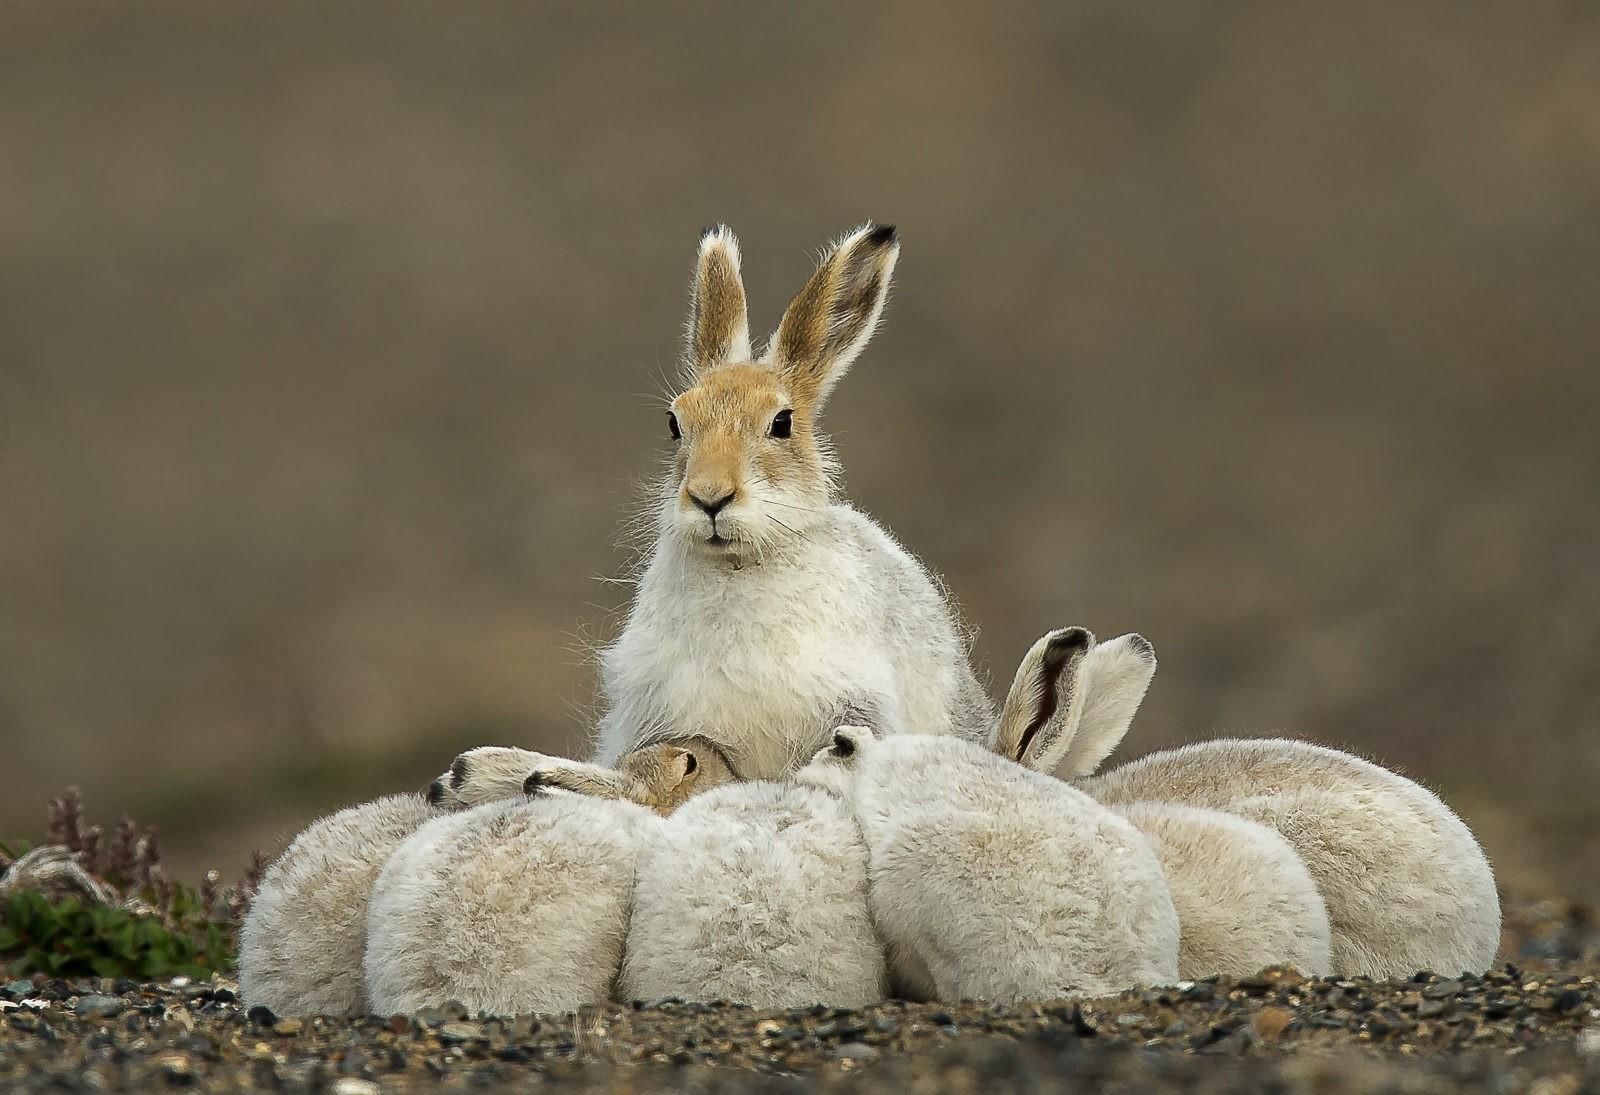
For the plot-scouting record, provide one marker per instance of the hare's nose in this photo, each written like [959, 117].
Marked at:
[712, 508]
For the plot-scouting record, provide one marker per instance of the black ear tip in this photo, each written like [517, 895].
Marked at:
[1141, 647]
[843, 745]
[436, 793]
[1069, 639]
[530, 786]
[458, 772]
[712, 230]
[883, 235]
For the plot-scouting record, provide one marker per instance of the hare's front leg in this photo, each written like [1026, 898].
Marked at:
[581, 778]
[485, 774]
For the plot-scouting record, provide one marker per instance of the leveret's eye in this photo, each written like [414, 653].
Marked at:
[672, 424]
[782, 424]
[690, 764]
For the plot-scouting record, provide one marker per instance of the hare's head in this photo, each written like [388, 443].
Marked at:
[1072, 701]
[750, 467]
[833, 768]
[670, 773]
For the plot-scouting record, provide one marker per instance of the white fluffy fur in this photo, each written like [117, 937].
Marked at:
[833, 622]
[992, 881]
[755, 893]
[301, 944]
[510, 908]
[765, 661]
[1244, 898]
[1407, 887]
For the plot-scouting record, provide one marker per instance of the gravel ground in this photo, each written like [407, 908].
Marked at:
[1530, 1025]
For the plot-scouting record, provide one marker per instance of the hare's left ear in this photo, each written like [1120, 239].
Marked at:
[1112, 681]
[829, 323]
[719, 320]
[1041, 714]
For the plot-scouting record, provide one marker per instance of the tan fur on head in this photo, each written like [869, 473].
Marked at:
[669, 774]
[751, 468]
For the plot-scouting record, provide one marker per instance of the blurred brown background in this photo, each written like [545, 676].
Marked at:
[329, 337]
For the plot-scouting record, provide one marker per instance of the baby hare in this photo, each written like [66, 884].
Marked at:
[769, 609]
[989, 880]
[302, 940]
[1245, 899]
[510, 908]
[1406, 885]
[755, 893]
[659, 777]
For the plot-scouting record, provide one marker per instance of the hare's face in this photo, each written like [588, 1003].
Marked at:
[747, 472]
[750, 470]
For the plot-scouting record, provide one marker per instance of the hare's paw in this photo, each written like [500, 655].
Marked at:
[486, 774]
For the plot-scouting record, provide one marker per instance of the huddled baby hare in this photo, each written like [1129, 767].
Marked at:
[1244, 897]
[301, 943]
[988, 879]
[516, 906]
[1404, 883]
[755, 893]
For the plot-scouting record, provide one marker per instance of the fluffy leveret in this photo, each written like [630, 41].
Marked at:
[1244, 897]
[511, 907]
[991, 881]
[1407, 887]
[755, 893]
[769, 610]
[301, 944]
[659, 777]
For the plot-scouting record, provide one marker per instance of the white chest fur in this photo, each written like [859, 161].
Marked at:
[762, 659]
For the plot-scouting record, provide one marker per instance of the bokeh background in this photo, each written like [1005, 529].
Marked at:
[331, 335]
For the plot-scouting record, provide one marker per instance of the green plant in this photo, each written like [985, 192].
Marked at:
[148, 926]
[71, 938]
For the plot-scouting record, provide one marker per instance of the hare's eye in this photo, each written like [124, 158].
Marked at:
[782, 424]
[690, 764]
[672, 424]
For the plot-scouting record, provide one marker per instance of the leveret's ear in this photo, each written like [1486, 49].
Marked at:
[1113, 680]
[848, 741]
[680, 765]
[1040, 716]
[830, 322]
[719, 321]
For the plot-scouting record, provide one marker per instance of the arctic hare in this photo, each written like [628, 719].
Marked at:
[1406, 885]
[302, 940]
[769, 610]
[1245, 898]
[755, 893]
[659, 777]
[988, 879]
[510, 908]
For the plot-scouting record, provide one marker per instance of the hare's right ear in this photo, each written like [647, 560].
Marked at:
[1113, 680]
[848, 742]
[1041, 714]
[719, 321]
[829, 323]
